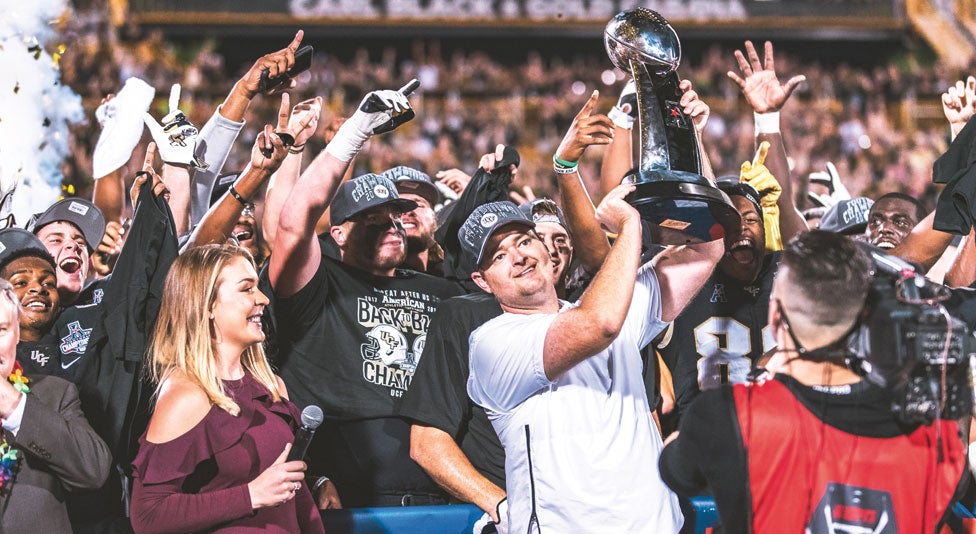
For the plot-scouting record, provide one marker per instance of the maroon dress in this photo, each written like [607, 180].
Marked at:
[198, 481]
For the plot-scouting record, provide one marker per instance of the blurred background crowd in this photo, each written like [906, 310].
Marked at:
[873, 110]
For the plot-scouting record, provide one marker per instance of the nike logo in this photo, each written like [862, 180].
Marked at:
[74, 361]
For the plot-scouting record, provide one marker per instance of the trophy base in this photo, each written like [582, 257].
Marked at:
[685, 206]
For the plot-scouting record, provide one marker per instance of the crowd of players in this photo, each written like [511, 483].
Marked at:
[423, 316]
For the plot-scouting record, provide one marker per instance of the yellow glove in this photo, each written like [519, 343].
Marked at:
[758, 176]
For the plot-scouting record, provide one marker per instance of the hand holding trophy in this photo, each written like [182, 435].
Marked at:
[670, 190]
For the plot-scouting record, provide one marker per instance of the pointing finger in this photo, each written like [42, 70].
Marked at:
[284, 111]
[297, 41]
[589, 105]
[150, 156]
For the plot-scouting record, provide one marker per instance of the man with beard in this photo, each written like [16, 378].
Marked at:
[423, 252]
[891, 219]
[351, 331]
[28, 266]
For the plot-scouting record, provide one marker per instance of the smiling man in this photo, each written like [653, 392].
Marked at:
[891, 219]
[722, 334]
[420, 223]
[27, 265]
[70, 230]
[562, 383]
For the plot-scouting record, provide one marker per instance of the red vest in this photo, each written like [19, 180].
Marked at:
[806, 474]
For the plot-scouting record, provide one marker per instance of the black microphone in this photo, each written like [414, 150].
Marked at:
[311, 419]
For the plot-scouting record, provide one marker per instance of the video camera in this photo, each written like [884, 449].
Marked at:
[910, 344]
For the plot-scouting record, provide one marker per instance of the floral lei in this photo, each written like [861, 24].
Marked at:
[9, 456]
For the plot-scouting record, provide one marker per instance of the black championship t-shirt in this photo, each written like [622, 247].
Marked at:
[350, 342]
[720, 334]
[438, 395]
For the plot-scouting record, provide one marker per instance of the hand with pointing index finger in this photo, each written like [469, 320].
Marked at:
[758, 81]
[276, 63]
[587, 129]
[148, 173]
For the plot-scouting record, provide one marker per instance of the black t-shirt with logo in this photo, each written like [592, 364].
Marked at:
[721, 334]
[438, 395]
[41, 358]
[349, 342]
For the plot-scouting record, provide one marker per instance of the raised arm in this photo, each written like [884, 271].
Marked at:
[618, 160]
[589, 328]
[766, 95]
[219, 222]
[297, 254]
[682, 271]
[218, 135]
[590, 242]
[301, 122]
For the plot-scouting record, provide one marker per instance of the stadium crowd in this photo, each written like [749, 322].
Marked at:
[428, 268]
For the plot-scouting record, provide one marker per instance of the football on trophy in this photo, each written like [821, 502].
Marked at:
[642, 36]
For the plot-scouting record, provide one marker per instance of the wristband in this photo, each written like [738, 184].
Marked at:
[767, 123]
[319, 482]
[564, 163]
[296, 149]
[235, 194]
[621, 118]
[563, 170]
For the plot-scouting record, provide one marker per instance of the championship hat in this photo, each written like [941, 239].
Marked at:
[409, 180]
[483, 222]
[365, 192]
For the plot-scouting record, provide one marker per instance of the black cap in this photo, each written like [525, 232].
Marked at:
[17, 243]
[410, 180]
[483, 222]
[741, 189]
[848, 217]
[363, 193]
[77, 211]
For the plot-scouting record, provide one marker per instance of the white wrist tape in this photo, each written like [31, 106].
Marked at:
[767, 123]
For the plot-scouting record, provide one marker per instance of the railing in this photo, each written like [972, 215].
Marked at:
[453, 519]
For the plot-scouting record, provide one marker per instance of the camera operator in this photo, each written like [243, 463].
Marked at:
[817, 448]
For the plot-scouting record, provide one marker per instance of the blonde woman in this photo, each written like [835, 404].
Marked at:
[213, 457]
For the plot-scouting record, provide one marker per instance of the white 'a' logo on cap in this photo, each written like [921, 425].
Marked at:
[78, 208]
[488, 219]
[381, 191]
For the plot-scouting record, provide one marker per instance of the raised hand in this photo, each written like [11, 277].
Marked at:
[489, 161]
[276, 63]
[268, 151]
[959, 103]
[147, 173]
[758, 176]
[109, 248]
[624, 113]
[693, 106]
[176, 137]
[379, 112]
[758, 81]
[303, 121]
[587, 129]
[278, 483]
[456, 179]
[614, 212]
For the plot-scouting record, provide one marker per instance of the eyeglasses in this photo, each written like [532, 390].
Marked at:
[248, 210]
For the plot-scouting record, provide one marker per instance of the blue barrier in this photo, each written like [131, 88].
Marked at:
[451, 519]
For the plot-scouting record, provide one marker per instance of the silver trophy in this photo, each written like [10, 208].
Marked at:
[671, 192]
